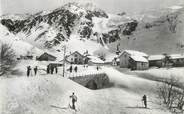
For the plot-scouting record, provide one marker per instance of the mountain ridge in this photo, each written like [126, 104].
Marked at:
[50, 29]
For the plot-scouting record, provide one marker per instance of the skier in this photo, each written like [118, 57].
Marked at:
[35, 70]
[144, 99]
[74, 99]
[28, 70]
[75, 68]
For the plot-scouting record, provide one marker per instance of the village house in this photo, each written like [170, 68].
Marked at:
[177, 60]
[125, 57]
[46, 57]
[138, 63]
[116, 61]
[77, 58]
[157, 60]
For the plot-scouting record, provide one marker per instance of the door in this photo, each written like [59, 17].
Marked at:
[75, 61]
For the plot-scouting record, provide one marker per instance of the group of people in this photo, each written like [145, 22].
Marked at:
[29, 71]
[51, 69]
[71, 69]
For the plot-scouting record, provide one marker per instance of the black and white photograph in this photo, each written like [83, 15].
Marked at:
[91, 56]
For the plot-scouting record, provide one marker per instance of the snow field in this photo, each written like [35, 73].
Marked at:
[38, 95]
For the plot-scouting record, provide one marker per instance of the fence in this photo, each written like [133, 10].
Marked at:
[84, 74]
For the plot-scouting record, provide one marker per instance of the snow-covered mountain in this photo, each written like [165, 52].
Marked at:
[20, 47]
[149, 31]
[158, 31]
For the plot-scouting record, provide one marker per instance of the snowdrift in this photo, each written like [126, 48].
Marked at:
[36, 95]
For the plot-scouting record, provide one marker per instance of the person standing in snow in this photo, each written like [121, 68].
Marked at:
[144, 99]
[56, 69]
[70, 69]
[28, 71]
[97, 68]
[35, 70]
[74, 100]
[76, 69]
[52, 69]
[48, 69]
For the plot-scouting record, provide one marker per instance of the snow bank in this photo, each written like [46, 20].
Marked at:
[163, 73]
[36, 95]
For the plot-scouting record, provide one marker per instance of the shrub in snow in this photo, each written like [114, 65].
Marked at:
[7, 59]
[171, 94]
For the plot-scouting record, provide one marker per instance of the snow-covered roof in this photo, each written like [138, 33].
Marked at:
[48, 53]
[95, 59]
[156, 57]
[139, 59]
[135, 53]
[175, 7]
[76, 52]
[176, 56]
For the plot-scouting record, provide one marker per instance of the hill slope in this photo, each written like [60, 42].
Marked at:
[43, 95]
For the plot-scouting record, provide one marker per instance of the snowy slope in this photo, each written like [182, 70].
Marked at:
[44, 94]
[20, 47]
[158, 32]
[163, 73]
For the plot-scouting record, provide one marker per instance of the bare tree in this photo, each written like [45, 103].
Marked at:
[171, 93]
[7, 59]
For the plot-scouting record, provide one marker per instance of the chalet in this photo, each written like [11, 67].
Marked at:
[176, 59]
[138, 63]
[46, 57]
[77, 58]
[157, 60]
[126, 55]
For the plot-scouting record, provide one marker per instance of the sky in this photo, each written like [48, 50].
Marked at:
[110, 6]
